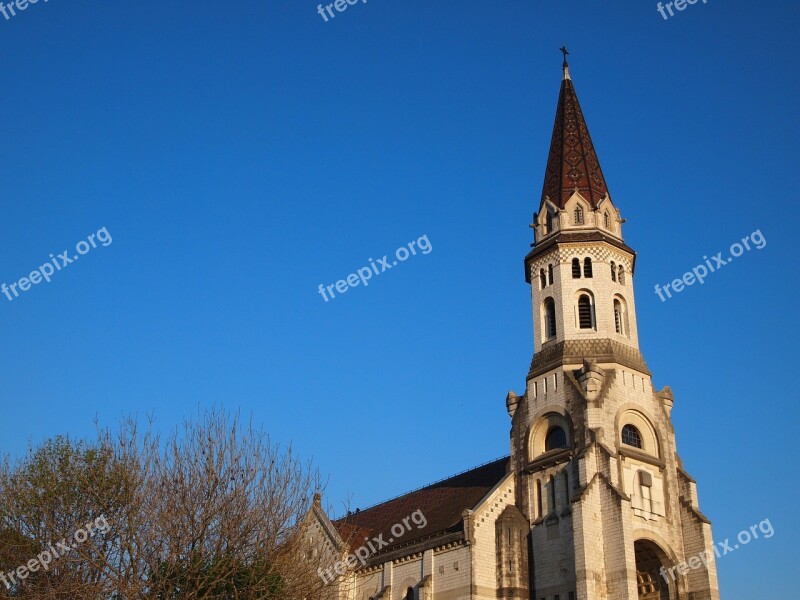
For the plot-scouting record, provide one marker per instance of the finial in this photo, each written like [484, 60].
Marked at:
[565, 65]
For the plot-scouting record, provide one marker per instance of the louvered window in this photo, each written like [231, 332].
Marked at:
[585, 312]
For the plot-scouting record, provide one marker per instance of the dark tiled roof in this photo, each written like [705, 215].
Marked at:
[442, 503]
[572, 163]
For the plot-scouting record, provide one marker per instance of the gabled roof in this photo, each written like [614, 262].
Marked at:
[442, 504]
[572, 164]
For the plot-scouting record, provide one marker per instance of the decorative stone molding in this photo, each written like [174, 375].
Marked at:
[591, 378]
[565, 253]
[667, 399]
[566, 245]
[416, 549]
[549, 459]
[577, 351]
[630, 452]
[512, 401]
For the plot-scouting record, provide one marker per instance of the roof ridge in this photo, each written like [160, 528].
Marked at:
[360, 510]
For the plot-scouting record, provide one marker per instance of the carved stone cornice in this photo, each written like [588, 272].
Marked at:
[603, 350]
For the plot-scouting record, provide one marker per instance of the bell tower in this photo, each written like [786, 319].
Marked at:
[580, 264]
[613, 513]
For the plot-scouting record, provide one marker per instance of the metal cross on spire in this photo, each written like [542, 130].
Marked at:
[565, 66]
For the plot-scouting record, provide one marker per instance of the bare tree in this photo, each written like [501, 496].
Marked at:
[213, 510]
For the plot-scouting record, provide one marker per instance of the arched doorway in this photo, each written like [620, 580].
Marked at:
[649, 579]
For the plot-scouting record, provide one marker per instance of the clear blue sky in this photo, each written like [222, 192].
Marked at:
[242, 153]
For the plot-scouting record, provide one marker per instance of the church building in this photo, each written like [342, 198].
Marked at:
[593, 502]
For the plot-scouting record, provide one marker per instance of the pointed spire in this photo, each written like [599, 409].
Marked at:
[572, 164]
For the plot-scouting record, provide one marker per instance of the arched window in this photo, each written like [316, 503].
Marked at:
[552, 506]
[619, 324]
[587, 267]
[631, 436]
[542, 278]
[539, 510]
[550, 274]
[576, 268]
[621, 275]
[578, 215]
[556, 438]
[549, 319]
[585, 320]
[409, 594]
[607, 220]
[613, 271]
[549, 222]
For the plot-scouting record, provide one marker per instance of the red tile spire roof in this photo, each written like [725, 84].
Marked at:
[572, 163]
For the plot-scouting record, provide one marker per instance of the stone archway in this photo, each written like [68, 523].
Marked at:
[649, 581]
